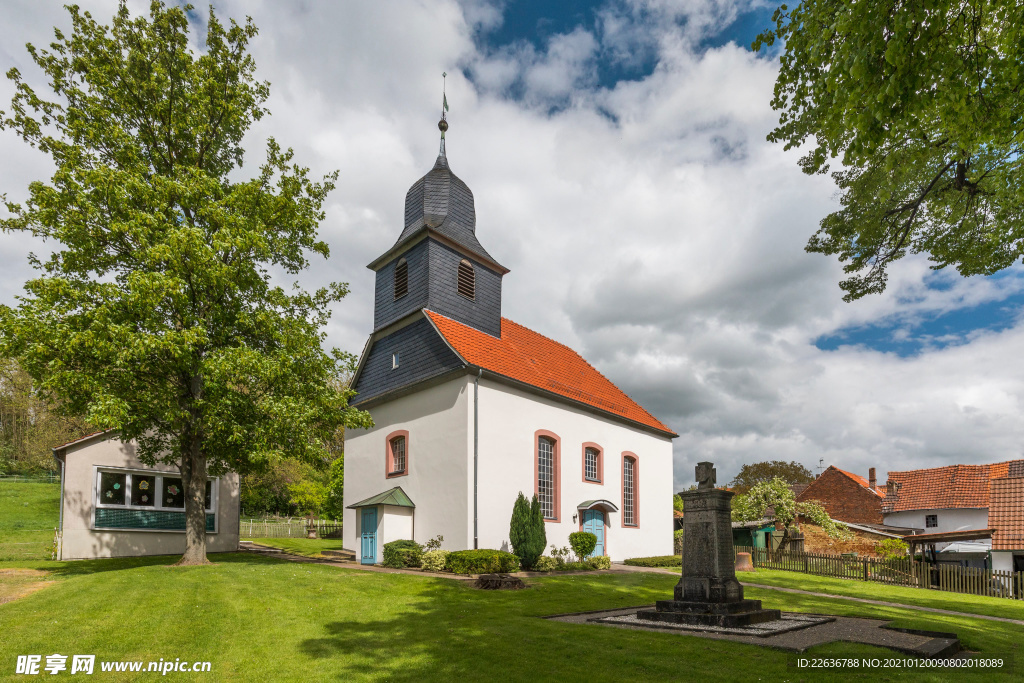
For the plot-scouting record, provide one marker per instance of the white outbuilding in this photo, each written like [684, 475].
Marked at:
[470, 409]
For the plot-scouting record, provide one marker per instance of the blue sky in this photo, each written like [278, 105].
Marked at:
[618, 159]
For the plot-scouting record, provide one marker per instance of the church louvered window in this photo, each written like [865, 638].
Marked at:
[467, 279]
[401, 279]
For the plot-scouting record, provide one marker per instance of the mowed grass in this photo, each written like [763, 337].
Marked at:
[29, 513]
[906, 595]
[309, 547]
[263, 619]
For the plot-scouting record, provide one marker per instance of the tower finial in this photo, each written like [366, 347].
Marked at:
[443, 124]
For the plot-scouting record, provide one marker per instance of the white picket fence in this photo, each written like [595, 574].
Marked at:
[292, 527]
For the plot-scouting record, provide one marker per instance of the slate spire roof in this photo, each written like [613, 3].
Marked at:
[443, 204]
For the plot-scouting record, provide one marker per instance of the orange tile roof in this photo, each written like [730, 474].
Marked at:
[954, 486]
[878, 491]
[525, 356]
[81, 438]
[1006, 513]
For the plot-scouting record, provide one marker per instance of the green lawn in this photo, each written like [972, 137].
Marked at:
[260, 618]
[28, 515]
[975, 604]
[310, 547]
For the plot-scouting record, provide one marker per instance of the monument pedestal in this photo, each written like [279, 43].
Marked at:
[708, 593]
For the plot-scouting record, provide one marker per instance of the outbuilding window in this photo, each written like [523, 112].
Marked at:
[467, 279]
[134, 500]
[931, 521]
[401, 278]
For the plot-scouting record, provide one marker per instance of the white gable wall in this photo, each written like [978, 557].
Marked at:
[439, 453]
[949, 519]
[509, 419]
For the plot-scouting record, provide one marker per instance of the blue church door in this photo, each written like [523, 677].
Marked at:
[368, 529]
[593, 521]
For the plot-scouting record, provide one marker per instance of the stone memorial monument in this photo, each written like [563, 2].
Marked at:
[708, 593]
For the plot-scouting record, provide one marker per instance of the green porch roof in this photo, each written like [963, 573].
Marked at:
[395, 496]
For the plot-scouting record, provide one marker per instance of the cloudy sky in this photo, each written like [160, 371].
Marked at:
[617, 154]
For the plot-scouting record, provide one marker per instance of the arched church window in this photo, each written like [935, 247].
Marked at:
[401, 279]
[630, 499]
[467, 279]
[547, 474]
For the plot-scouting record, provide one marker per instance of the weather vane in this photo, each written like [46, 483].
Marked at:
[443, 124]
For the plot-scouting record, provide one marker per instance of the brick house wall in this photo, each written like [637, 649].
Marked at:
[844, 498]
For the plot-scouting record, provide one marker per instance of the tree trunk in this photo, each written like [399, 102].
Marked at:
[193, 479]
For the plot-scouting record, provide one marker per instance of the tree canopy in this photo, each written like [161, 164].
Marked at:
[922, 104]
[753, 473]
[156, 315]
[774, 496]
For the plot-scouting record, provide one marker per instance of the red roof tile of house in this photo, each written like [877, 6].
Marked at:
[878, 491]
[531, 358]
[1006, 513]
[954, 486]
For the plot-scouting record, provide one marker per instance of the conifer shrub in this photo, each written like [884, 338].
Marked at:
[526, 531]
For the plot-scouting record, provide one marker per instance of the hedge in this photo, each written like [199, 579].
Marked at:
[401, 554]
[656, 561]
[481, 562]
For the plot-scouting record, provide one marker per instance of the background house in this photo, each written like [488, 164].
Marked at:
[112, 505]
[846, 497]
[951, 505]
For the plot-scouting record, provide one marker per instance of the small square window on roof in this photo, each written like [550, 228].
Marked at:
[394, 360]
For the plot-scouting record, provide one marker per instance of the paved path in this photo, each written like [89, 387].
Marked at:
[883, 603]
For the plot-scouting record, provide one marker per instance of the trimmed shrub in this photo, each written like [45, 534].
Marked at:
[677, 541]
[583, 543]
[656, 561]
[401, 554]
[481, 562]
[600, 562]
[575, 567]
[434, 560]
[546, 564]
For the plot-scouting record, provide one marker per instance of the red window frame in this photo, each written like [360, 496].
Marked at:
[389, 456]
[600, 463]
[628, 455]
[556, 478]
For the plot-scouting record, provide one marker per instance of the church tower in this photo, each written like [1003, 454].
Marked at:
[437, 264]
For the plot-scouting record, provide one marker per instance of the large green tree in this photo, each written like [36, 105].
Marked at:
[922, 102]
[156, 314]
[753, 473]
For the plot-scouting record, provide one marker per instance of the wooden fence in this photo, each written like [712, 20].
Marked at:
[293, 527]
[902, 571]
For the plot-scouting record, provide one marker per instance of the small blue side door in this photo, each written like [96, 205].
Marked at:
[368, 530]
[593, 521]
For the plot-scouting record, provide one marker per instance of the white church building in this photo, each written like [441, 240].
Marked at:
[471, 408]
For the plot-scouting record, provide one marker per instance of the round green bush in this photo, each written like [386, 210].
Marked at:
[401, 554]
[583, 543]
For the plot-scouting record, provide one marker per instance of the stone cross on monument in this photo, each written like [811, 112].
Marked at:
[708, 593]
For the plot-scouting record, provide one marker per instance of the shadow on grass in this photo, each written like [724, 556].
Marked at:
[84, 567]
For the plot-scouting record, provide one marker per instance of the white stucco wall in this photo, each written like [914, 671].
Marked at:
[1002, 560]
[509, 419]
[949, 519]
[81, 541]
[439, 453]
